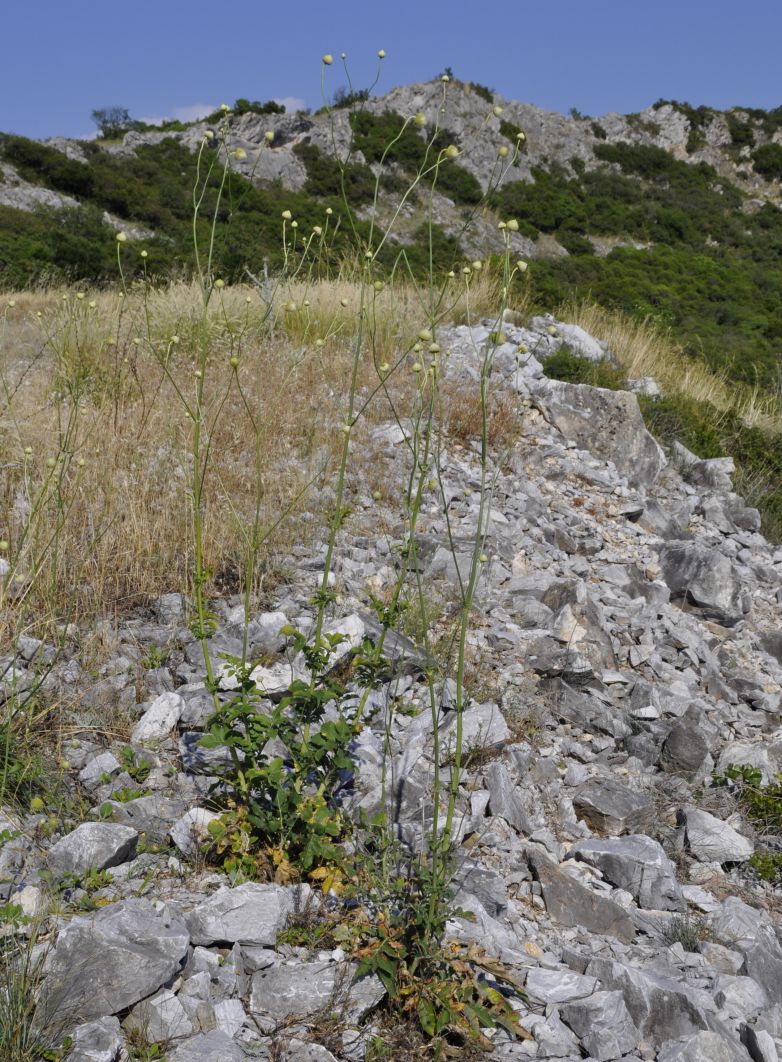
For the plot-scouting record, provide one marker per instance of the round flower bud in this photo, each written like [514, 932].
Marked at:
[451, 151]
[287, 216]
[503, 152]
[434, 348]
[175, 340]
[384, 367]
[294, 224]
[233, 362]
[513, 225]
[376, 495]
[417, 366]
[522, 266]
[317, 231]
[50, 462]
[551, 330]
[198, 374]
[240, 154]
[496, 111]
[501, 225]
[81, 462]
[224, 108]
[483, 558]
[477, 265]
[521, 137]
[424, 335]
[329, 212]
[291, 306]
[80, 295]
[381, 53]
[466, 270]
[378, 285]
[121, 237]
[268, 136]
[318, 343]
[4, 544]
[420, 119]
[445, 78]
[219, 284]
[328, 60]
[28, 451]
[343, 302]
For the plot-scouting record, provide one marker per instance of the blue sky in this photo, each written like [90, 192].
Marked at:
[176, 57]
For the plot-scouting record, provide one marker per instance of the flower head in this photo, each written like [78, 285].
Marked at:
[496, 111]
[503, 152]
[240, 154]
[381, 53]
[328, 60]
[420, 119]
[513, 225]
[268, 136]
[287, 216]
[121, 237]
[522, 266]
[451, 151]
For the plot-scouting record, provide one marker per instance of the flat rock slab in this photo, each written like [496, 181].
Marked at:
[701, 1047]
[159, 719]
[213, 1046]
[93, 846]
[713, 841]
[97, 1041]
[558, 986]
[637, 864]
[661, 1007]
[607, 423]
[610, 807]
[572, 904]
[603, 1024]
[303, 989]
[105, 963]
[705, 578]
[248, 914]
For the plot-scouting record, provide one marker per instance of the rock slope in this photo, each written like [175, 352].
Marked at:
[625, 646]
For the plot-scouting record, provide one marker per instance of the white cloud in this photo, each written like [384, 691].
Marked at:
[291, 103]
[191, 113]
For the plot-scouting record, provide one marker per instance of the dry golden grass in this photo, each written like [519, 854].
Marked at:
[643, 349]
[94, 382]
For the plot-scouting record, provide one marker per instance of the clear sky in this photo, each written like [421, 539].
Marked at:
[62, 58]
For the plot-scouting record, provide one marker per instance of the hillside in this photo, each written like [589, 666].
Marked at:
[673, 212]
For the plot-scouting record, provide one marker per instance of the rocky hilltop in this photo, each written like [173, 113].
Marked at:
[727, 141]
[626, 650]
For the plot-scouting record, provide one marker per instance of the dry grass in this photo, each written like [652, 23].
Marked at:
[90, 380]
[644, 349]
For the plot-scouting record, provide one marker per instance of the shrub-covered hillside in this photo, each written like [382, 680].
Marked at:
[689, 233]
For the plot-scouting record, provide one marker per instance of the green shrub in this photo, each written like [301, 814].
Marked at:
[326, 178]
[374, 132]
[567, 366]
[482, 91]
[45, 165]
[741, 131]
[767, 161]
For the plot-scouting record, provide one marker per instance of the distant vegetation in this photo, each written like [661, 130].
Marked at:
[686, 250]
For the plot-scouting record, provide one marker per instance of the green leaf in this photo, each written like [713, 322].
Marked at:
[427, 1016]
